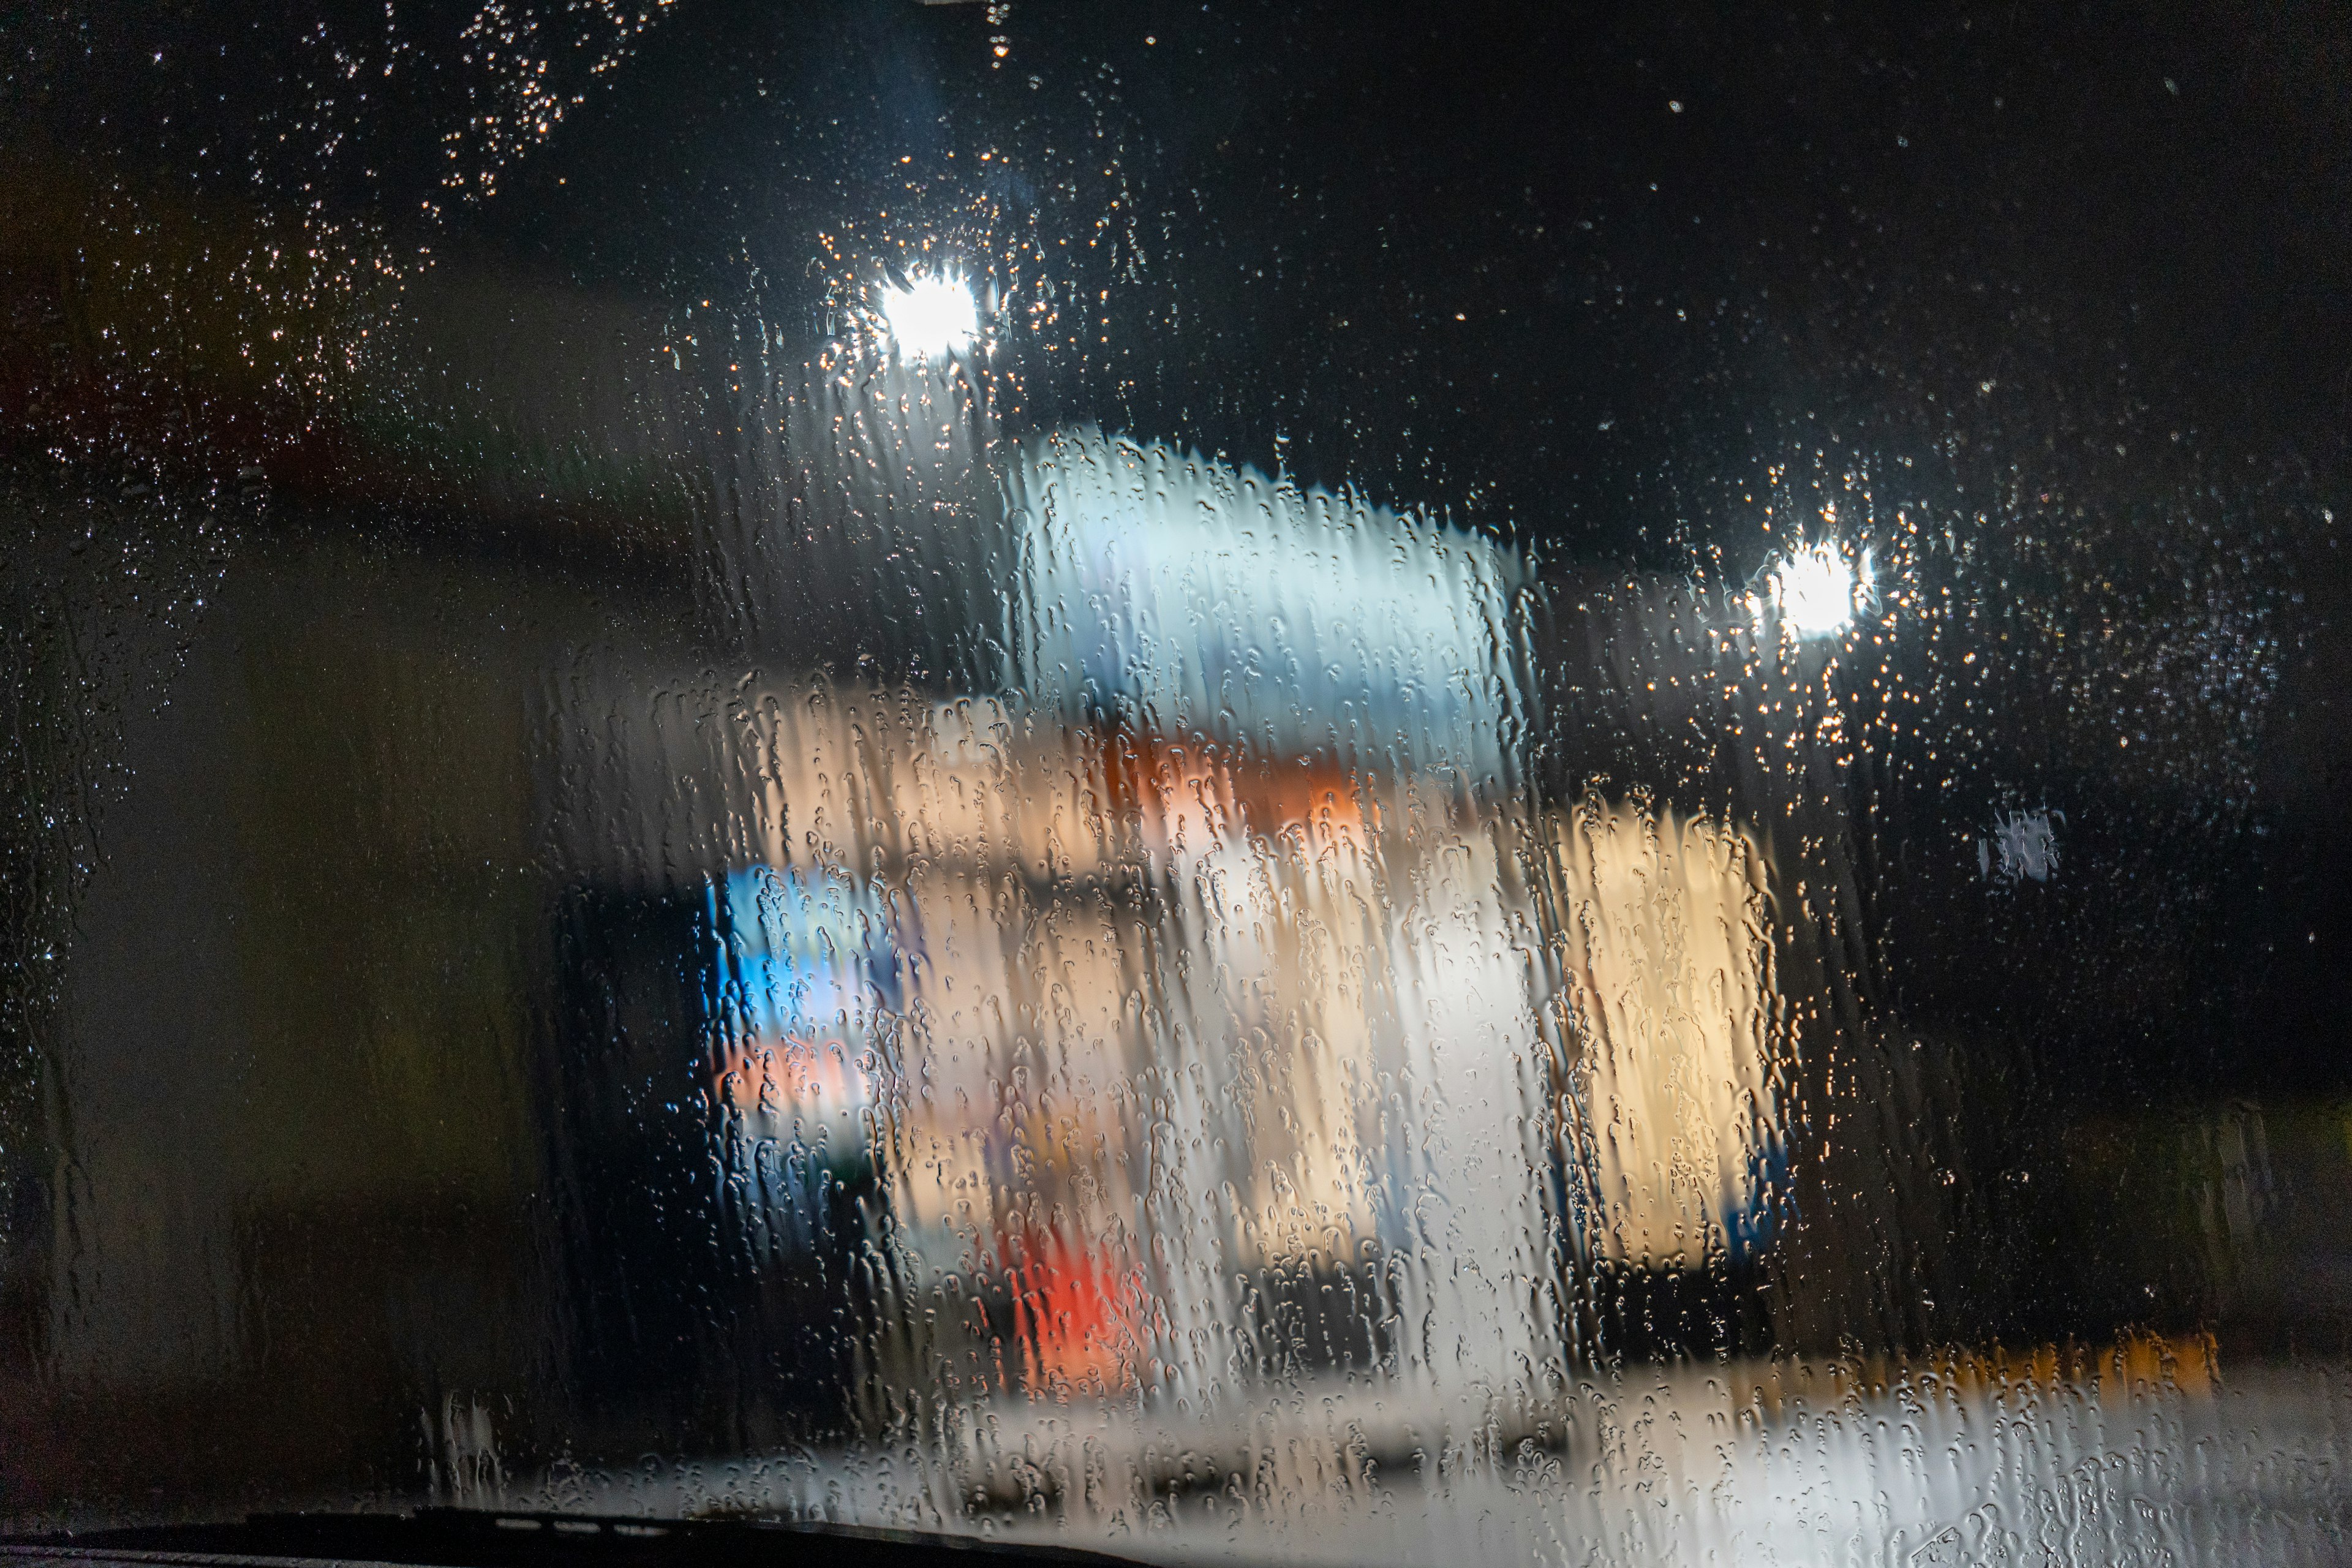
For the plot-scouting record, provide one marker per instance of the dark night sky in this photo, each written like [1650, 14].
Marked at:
[2140, 209]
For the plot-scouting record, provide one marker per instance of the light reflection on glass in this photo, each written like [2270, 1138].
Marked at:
[1817, 591]
[930, 316]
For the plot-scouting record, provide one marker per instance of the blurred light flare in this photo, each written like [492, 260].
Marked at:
[1817, 591]
[931, 317]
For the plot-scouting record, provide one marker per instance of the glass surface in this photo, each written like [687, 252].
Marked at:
[1328, 785]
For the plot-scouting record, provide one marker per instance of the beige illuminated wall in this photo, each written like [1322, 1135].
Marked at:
[1666, 987]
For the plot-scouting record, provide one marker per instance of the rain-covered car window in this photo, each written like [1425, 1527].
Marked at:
[1340, 783]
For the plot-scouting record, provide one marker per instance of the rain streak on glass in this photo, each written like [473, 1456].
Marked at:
[985, 770]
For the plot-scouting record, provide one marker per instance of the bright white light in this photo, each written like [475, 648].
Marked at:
[931, 317]
[1816, 591]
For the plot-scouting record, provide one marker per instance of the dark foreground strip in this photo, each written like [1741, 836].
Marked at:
[465, 1537]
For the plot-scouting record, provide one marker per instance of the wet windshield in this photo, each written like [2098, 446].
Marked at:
[1331, 783]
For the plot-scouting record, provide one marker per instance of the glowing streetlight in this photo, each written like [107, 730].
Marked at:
[931, 317]
[1816, 591]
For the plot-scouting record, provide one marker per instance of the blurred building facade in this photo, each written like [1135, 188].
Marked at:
[915, 925]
